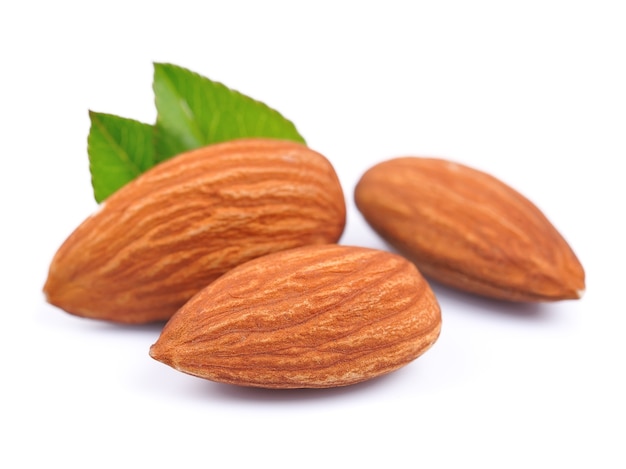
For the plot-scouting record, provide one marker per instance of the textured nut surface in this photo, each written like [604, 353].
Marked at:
[310, 317]
[467, 229]
[176, 228]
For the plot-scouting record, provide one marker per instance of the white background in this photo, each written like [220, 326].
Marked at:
[533, 92]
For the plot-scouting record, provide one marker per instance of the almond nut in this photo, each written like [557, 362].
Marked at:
[310, 317]
[182, 224]
[465, 228]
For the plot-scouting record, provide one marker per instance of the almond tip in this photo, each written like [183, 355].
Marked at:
[155, 352]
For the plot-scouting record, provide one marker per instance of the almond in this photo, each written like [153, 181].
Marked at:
[465, 228]
[179, 226]
[310, 317]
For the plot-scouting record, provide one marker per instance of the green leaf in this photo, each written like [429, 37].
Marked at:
[119, 150]
[193, 111]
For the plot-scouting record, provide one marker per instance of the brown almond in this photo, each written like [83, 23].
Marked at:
[310, 317]
[176, 228]
[465, 228]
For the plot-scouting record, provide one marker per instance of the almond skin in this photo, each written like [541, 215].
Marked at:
[466, 229]
[176, 228]
[310, 317]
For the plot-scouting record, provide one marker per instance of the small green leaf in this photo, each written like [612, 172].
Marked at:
[119, 150]
[193, 111]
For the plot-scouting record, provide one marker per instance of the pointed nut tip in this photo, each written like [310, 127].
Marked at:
[153, 352]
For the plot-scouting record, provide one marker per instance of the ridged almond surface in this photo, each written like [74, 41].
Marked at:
[310, 317]
[158, 240]
[465, 228]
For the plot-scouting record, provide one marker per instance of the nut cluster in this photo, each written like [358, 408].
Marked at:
[235, 247]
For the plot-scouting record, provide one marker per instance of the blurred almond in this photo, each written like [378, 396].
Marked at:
[465, 228]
